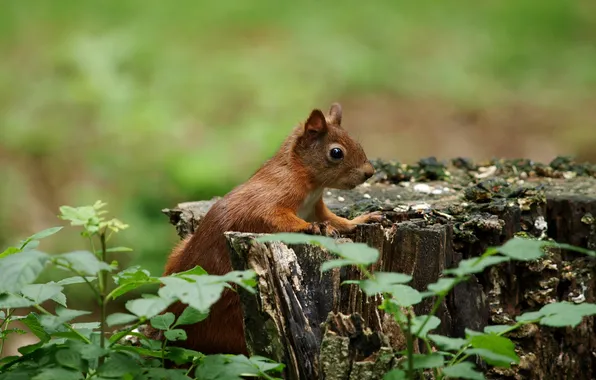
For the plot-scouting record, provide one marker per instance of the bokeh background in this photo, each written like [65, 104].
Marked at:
[144, 104]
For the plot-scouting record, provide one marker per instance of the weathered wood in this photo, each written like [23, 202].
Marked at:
[305, 319]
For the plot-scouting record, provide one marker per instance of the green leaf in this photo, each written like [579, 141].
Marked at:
[163, 321]
[475, 265]
[443, 286]
[559, 314]
[130, 279]
[490, 357]
[496, 329]
[9, 251]
[196, 271]
[463, 370]
[118, 249]
[428, 360]
[44, 233]
[120, 319]
[12, 301]
[39, 293]
[176, 334]
[576, 249]
[21, 269]
[76, 280]
[63, 315]
[405, 295]
[162, 373]
[417, 322]
[294, 238]
[57, 374]
[69, 358]
[336, 263]
[447, 343]
[395, 374]
[498, 345]
[181, 355]
[523, 249]
[91, 351]
[146, 307]
[32, 322]
[190, 316]
[215, 367]
[383, 282]
[245, 279]
[119, 365]
[200, 294]
[358, 253]
[82, 261]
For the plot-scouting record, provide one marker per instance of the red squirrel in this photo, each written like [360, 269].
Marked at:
[284, 195]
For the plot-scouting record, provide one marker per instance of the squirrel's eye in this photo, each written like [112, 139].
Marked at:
[336, 154]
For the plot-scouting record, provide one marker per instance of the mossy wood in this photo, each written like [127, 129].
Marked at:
[437, 216]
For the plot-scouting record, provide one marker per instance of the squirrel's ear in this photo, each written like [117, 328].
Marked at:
[315, 124]
[335, 114]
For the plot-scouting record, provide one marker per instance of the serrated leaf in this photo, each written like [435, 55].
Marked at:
[12, 301]
[497, 345]
[417, 322]
[163, 321]
[68, 358]
[476, 265]
[405, 295]
[245, 279]
[200, 294]
[33, 324]
[120, 319]
[447, 343]
[163, 373]
[130, 279]
[443, 286]
[465, 370]
[560, 314]
[21, 269]
[83, 261]
[92, 351]
[63, 315]
[181, 355]
[433, 360]
[39, 293]
[146, 307]
[523, 249]
[190, 316]
[383, 282]
[176, 334]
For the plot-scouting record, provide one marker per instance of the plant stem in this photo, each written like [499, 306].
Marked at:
[410, 348]
[102, 280]
[7, 321]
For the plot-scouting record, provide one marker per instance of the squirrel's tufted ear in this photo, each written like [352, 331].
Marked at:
[335, 114]
[316, 124]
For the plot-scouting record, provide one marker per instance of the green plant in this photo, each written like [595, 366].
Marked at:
[71, 350]
[449, 358]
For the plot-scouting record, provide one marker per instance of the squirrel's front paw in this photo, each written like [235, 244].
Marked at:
[372, 217]
[322, 228]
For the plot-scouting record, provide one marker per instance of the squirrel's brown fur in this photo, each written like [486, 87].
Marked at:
[284, 195]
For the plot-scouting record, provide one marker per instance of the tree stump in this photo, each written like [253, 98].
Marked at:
[437, 216]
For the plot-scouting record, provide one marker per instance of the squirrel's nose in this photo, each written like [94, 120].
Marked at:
[369, 170]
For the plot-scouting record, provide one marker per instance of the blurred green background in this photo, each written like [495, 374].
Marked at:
[144, 104]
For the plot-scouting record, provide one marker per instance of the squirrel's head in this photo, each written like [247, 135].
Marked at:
[333, 158]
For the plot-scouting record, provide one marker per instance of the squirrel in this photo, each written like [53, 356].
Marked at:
[284, 195]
